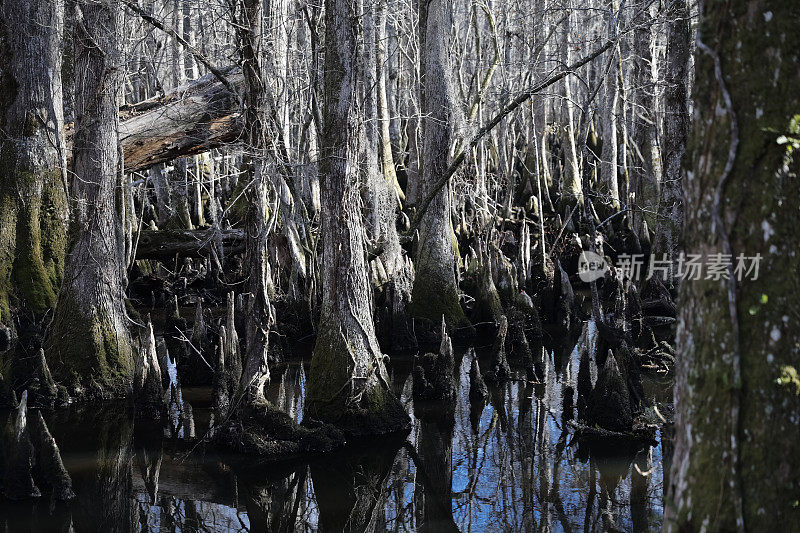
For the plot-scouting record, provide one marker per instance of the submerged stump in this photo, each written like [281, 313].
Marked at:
[500, 369]
[433, 373]
[609, 402]
[18, 456]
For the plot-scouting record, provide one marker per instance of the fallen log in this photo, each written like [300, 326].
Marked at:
[188, 120]
[166, 244]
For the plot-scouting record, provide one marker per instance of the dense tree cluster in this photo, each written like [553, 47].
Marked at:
[389, 174]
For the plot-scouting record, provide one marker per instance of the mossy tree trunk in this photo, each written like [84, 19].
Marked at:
[737, 451]
[33, 197]
[349, 384]
[89, 344]
[435, 291]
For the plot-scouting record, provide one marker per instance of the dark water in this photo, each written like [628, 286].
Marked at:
[515, 466]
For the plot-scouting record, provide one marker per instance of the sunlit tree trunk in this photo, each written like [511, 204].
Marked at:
[737, 451]
[381, 59]
[647, 163]
[89, 345]
[392, 271]
[435, 290]
[33, 196]
[609, 167]
[349, 384]
[571, 189]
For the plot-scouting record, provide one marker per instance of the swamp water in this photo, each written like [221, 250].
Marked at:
[515, 465]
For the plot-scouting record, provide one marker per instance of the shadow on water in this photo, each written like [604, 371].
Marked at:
[512, 464]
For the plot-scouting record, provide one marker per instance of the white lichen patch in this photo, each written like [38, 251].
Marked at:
[767, 229]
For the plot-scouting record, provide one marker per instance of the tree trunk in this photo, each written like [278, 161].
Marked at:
[435, 290]
[609, 168]
[349, 384]
[646, 167]
[33, 196]
[571, 190]
[256, 370]
[669, 230]
[737, 451]
[89, 343]
[386, 155]
[393, 319]
[178, 61]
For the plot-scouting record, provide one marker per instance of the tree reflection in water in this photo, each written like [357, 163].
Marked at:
[515, 466]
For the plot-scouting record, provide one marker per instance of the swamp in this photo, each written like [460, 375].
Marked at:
[399, 265]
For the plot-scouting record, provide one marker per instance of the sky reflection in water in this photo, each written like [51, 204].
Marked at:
[514, 466]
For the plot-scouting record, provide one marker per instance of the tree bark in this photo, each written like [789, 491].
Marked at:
[669, 231]
[609, 167]
[645, 173]
[255, 372]
[571, 189]
[349, 384]
[435, 290]
[737, 451]
[33, 196]
[89, 343]
[393, 319]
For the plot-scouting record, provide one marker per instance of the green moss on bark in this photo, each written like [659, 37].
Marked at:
[432, 297]
[87, 353]
[756, 43]
[40, 244]
[331, 398]
[34, 239]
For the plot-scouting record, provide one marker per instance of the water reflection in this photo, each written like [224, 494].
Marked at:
[510, 465]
